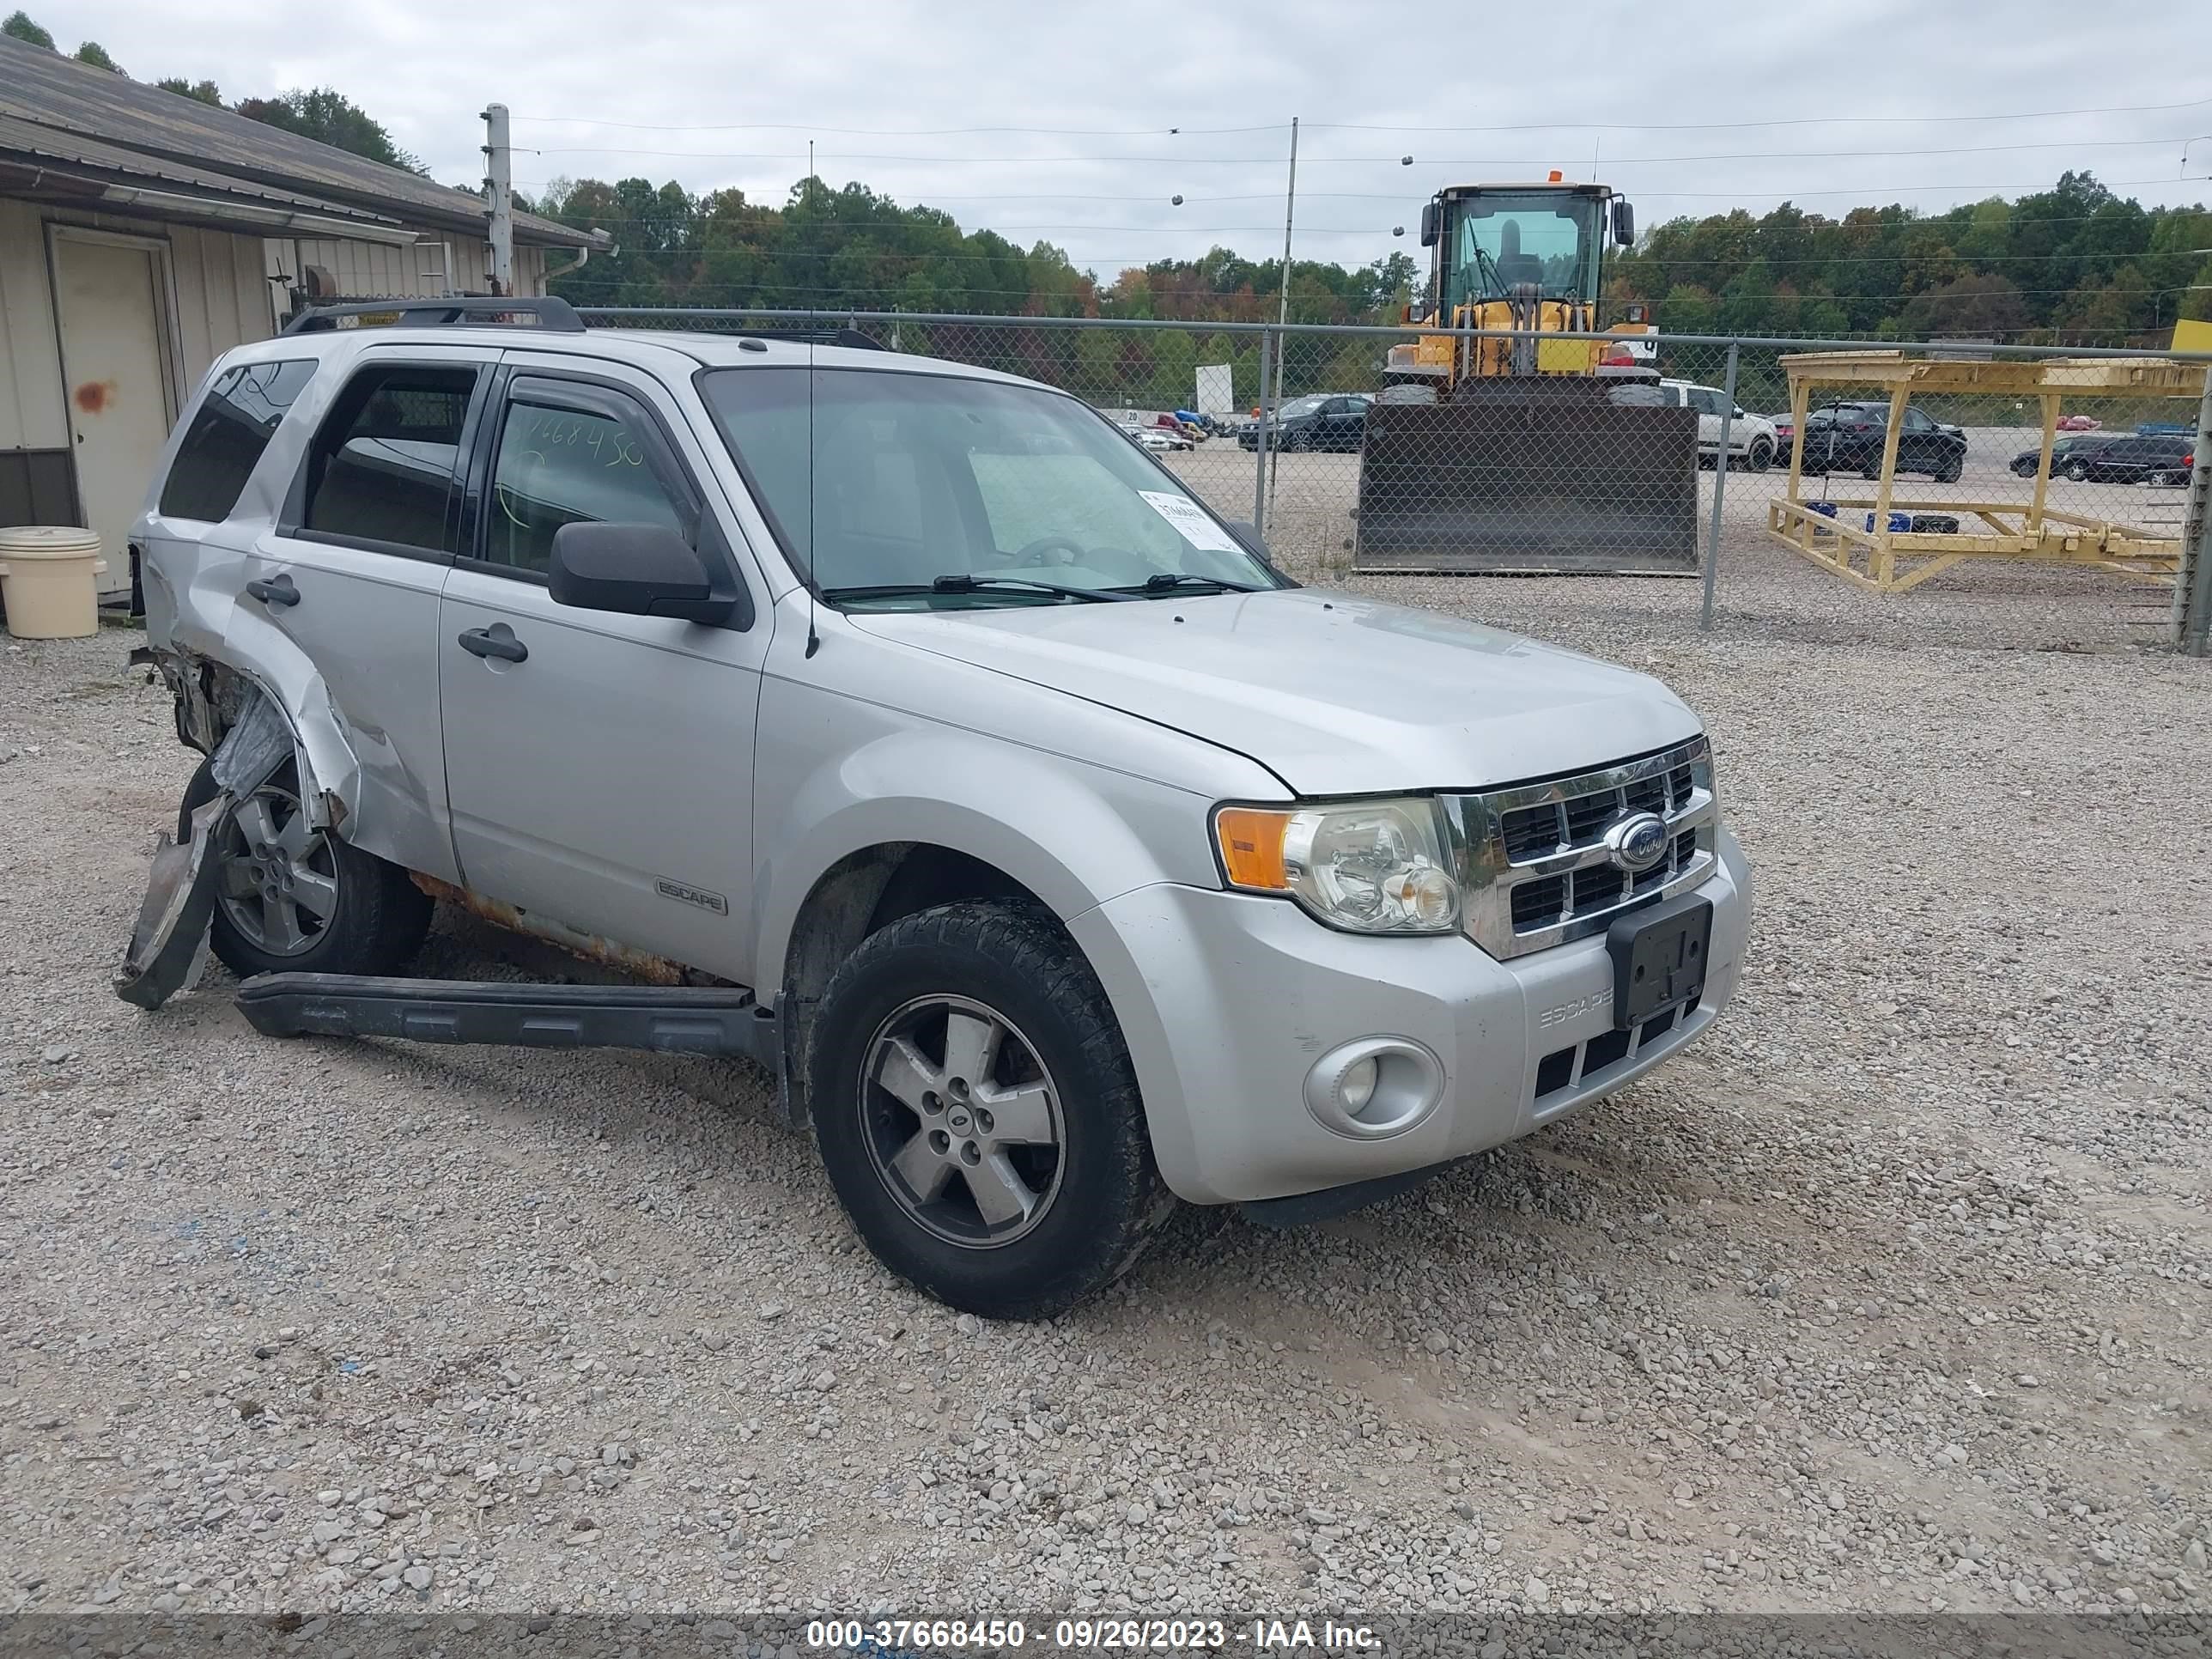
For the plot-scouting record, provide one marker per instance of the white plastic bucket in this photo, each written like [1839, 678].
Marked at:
[50, 582]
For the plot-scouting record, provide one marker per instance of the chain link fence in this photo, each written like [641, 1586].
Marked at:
[1374, 451]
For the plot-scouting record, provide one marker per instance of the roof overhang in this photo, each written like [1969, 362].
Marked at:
[71, 188]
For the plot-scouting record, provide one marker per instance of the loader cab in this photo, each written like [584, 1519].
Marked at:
[1493, 240]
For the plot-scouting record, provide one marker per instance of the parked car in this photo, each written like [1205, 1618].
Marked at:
[2160, 460]
[1153, 437]
[1058, 854]
[1321, 420]
[2066, 452]
[1847, 437]
[1753, 440]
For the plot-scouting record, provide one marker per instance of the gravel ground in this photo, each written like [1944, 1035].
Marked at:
[1890, 1295]
[1761, 585]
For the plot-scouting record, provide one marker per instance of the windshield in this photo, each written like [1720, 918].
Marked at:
[1502, 238]
[1302, 407]
[906, 491]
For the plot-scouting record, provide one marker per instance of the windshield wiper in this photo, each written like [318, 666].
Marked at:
[1168, 580]
[965, 582]
[961, 583]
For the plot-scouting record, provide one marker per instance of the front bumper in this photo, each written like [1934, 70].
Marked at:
[1226, 1000]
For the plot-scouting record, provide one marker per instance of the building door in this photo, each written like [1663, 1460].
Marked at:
[115, 376]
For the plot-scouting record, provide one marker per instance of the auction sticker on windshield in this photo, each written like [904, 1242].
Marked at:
[1188, 520]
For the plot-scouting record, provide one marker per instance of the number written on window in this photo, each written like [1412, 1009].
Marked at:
[558, 467]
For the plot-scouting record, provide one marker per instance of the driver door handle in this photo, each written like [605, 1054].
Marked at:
[278, 589]
[482, 642]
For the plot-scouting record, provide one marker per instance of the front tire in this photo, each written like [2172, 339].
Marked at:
[2078, 471]
[1761, 456]
[977, 1113]
[291, 898]
[1949, 472]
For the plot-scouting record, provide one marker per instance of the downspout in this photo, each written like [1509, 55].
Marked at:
[583, 259]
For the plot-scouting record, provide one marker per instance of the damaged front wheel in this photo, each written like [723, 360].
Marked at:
[290, 898]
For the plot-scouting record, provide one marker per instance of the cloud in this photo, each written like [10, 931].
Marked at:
[1078, 99]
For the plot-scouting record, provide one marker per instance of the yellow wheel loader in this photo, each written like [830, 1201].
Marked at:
[1525, 450]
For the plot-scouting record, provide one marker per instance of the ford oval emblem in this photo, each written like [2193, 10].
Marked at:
[1638, 842]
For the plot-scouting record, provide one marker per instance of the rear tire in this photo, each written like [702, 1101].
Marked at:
[290, 899]
[1018, 1212]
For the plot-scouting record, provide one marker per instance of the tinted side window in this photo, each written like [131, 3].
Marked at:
[239, 415]
[1915, 421]
[381, 469]
[558, 467]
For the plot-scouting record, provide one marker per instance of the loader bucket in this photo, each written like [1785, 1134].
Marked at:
[1542, 474]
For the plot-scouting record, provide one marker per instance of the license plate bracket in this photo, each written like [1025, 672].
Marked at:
[1659, 959]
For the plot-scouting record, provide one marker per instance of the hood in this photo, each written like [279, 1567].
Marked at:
[1335, 694]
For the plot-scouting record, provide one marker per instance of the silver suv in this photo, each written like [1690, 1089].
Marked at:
[1062, 854]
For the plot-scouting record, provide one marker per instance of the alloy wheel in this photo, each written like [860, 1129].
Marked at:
[962, 1121]
[279, 875]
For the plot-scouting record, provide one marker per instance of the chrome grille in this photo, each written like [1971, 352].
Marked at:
[1537, 871]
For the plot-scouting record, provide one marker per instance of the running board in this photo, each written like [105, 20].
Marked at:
[667, 1019]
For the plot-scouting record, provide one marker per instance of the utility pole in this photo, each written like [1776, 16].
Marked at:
[1283, 307]
[498, 198]
[1282, 311]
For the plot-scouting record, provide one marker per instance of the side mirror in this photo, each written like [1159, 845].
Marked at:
[1739, 413]
[1249, 533]
[634, 570]
[1623, 223]
[1431, 224]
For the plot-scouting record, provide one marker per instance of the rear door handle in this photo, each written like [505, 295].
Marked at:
[278, 589]
[497, 640]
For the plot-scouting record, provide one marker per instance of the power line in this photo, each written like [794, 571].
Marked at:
[1353, 126]
[1640, 260]
[1398, 197]
[1343, 161]
[2035, 185]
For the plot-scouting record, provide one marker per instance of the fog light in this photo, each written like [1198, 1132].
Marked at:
[1356, 1086]
[1374, 1086]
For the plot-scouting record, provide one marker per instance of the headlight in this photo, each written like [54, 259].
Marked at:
[1370, 867]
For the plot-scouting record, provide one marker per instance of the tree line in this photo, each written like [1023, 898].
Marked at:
[2072, 264]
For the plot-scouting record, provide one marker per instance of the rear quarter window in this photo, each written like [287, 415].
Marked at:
[228, 432]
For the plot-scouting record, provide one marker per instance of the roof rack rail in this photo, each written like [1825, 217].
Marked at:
[853, 337]
[478, 310]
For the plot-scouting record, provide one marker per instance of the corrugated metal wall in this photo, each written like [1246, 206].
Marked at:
[219, 297]
[31, 415]
[223, 297]
[433, 266]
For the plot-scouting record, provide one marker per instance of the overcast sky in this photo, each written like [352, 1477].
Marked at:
[1737, 108]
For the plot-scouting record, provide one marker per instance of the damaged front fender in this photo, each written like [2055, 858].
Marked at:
[168, 947]
[213, 699]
